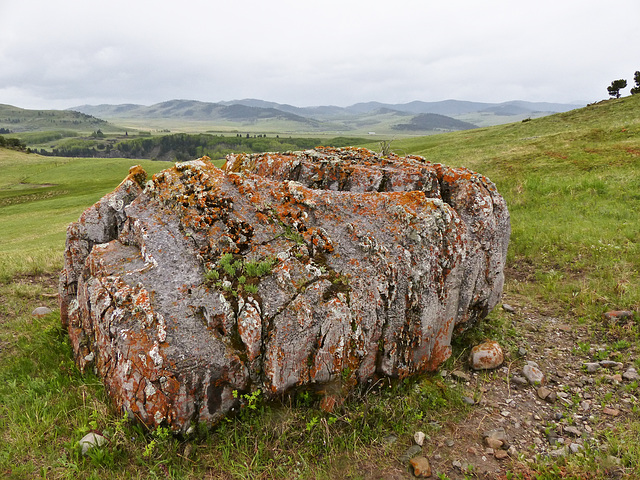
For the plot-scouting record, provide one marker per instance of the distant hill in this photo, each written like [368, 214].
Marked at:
[260, 116]
[18, 120]
[193, 110]
[433, 121]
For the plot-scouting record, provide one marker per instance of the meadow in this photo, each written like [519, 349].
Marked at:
[572, 185]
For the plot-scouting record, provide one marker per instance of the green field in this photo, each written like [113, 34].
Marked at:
[572, 185]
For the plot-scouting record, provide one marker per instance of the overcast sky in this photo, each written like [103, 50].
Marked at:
[64, 53]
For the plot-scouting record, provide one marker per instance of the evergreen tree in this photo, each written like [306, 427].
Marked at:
[616, 86]
[636, 78]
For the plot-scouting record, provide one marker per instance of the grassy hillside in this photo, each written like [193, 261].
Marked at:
[572, 184]
[40, 196]
[66, 122]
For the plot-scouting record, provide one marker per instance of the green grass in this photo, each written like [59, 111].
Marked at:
[40, 196]
[572, 184]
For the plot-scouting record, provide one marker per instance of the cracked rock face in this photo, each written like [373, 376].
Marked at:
[276, 272]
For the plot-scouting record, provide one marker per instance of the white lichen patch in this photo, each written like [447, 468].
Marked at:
[154, 354]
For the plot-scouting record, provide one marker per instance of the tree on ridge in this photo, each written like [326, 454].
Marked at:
[616, 86]
[636, 78]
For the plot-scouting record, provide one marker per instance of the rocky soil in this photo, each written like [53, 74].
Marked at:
[587, 388]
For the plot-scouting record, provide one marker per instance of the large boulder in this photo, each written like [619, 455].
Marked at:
[276, 272]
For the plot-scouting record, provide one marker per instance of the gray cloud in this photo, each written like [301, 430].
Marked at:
[65, 53]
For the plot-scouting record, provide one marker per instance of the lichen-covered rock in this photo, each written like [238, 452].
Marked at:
[278, 271]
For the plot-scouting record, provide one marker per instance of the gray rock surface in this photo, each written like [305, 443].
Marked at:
[203, 284]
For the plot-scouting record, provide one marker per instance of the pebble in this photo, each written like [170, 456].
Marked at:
[518, 380]
[591, 367]
[419, 438]
[486, 356]
[468, 400]
[575, 447]
[508, 308]
[500, 454]
[421, 467]
[543, 392]
[91, 440]
[613, 412]
[611, 364]
[496, 438]
[533, 374]
[559, 452]
[493, 443]
[631, 375]
[573, 431]
[41, 312]
[411, 452]
[460, 375]
[448, 442]
[618, 315]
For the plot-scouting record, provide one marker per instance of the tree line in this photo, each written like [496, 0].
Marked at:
[182, 146]
[13, 143]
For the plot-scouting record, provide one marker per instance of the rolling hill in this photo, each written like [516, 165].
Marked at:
[18, 120]
[382, 118]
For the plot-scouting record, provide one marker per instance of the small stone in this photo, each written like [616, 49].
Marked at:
[573, 431]
[610, 364]
[612, 412]
[631, 375]
[575, 447]
[559, 452]
[508, 308]
[493, 443]
[461, 376]
[41, 312]
[591, 367]
[558, 416]
[618, 315]
[91, 440]
[522, 351]
[468, 400]
[486, 356]
[518, 380]
[411, 452]
[501, 454]
[543, 392]
[448, 442]
[421, 467]
[419, 438]
[457, 464]
[512, 451]
[533, 375]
